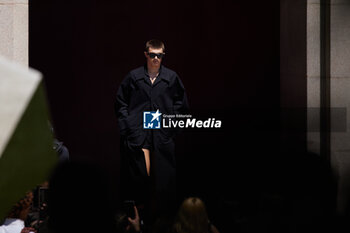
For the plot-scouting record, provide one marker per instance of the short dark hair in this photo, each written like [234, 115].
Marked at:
[155, 44]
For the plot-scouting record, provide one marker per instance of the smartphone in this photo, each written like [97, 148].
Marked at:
[43, 196]
[129, 208]
[35, 202]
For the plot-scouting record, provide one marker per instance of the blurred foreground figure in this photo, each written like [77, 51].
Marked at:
[14, 223]
[79, 200]
[192, 217]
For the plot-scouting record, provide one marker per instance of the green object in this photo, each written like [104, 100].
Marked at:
[28, 157]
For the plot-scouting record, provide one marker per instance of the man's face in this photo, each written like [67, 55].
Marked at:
[153, 58]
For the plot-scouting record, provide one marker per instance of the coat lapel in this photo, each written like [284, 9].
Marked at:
[163, 76]
[144, 82]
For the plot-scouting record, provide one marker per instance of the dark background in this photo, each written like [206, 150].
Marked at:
[227, 54]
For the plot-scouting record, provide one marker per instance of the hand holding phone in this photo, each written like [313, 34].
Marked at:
[129, 208]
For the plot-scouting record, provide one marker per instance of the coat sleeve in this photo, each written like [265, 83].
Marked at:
[128, 123]
[122, 104]
[180, 101]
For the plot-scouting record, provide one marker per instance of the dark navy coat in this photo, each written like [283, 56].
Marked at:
[137, 94]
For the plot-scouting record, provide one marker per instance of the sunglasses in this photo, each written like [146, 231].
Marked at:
[153, 55]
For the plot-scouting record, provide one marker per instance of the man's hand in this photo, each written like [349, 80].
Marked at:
[28, 230]
[135, 223]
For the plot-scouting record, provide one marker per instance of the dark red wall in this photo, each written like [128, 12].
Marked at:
[226, 52]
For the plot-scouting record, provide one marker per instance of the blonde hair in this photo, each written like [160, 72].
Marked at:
[192, 217]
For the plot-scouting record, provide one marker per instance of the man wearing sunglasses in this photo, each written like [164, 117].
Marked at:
[148, 155]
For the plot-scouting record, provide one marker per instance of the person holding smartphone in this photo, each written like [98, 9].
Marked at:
[148, 155]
